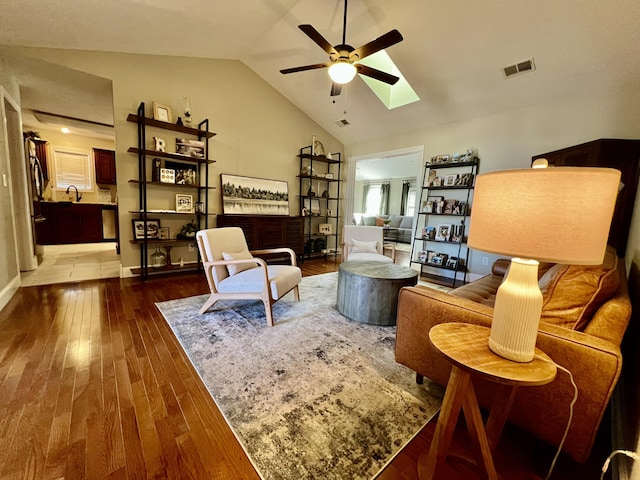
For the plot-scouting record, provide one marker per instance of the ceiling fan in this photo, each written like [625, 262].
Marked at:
[342, 57]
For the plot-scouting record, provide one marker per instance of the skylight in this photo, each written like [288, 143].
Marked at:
[392, 96]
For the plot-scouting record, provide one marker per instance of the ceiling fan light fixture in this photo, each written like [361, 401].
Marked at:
[342, 72]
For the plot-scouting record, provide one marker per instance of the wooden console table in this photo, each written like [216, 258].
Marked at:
[268, 231]
[466, 347]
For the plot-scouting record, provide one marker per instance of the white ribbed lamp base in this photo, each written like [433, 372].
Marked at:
[516, 314]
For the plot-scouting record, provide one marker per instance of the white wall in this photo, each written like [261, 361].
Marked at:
[509, 139]
[259, 132]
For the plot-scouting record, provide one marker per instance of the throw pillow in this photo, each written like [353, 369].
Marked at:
[572, 293]
[379, 222]
[358, 246]
[241, 255]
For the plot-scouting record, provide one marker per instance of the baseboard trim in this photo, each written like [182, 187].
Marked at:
[9, 291]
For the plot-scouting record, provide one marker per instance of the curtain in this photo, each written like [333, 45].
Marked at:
[384, 199]
[405, 197]
[365, 194]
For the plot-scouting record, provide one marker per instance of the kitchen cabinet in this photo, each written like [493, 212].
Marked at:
[105, 163]
[68, 222]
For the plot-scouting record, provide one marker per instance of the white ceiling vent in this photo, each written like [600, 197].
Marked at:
[342, 122]
[524, 66]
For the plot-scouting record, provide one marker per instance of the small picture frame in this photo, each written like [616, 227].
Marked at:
[325, 229]
[450, 180]
[443, 232]
[184, 203]
[437, 182]
[167, 175]
[465, 180]
[328, 176]
[162, 113]
[153, 228]
[452, 263]
[163, 233]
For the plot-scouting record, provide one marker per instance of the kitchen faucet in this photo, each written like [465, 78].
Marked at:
[78, 195]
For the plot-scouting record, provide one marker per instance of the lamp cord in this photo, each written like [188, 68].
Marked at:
[629, 454]
[573, 402]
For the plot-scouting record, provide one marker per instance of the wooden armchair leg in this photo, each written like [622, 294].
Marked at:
[269, 312]
[208, 304]
[296, 293]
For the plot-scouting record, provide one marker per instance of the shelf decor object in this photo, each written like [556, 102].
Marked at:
[558, 215]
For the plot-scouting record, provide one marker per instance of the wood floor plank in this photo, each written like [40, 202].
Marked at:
[95, 385]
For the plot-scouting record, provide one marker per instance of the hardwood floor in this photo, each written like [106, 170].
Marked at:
[94, 385]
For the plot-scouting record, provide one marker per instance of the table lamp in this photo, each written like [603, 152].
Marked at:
[559, 215]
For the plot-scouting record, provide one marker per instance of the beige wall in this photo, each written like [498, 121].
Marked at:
[509, 139]
[259, 132]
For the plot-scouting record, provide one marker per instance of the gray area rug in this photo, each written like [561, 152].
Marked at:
[315, 397]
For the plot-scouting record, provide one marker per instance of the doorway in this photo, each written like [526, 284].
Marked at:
[390, 165]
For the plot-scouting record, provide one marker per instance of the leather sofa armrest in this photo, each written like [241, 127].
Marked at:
[500, 266]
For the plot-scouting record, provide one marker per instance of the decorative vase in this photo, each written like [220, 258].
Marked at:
[187, 111]
[168, 261]
[158, 259]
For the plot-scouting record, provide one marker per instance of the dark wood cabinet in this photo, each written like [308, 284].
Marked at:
[41, 153]
[268, 231]
[69, 223]
[623, 155]
[105, 162]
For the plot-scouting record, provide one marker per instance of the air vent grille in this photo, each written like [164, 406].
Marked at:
[524, 66]
[342, 122]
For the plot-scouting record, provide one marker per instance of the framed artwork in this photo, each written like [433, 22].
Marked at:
[162, 113]
[163, 233]
[184, 203]
[311, 206]
[153, 229]
[254, 196]
[167, 175]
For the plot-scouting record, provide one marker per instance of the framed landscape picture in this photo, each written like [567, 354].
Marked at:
[254, 196]
[153, 229]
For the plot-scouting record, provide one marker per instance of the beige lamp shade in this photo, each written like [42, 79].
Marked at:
[559, 215]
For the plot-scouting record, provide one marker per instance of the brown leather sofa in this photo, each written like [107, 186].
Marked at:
[585, 313]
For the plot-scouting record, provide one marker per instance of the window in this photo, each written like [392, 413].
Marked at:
[410, 206]
[372, 200]
[73, 168]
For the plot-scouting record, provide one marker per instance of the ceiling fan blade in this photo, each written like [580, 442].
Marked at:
[336, 89]
[306, 67]
[380, 43]
[314, 35]
[377, 74]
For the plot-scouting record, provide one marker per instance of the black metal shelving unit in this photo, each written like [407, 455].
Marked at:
[201, 188]
[441, 248]
[320, 171]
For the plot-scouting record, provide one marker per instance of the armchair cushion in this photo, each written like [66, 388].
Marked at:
[240, 267]
[282, 278]
[573, 293]
[369, 257]
[359, 246]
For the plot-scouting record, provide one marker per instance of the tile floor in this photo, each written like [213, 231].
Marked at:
[74, 263]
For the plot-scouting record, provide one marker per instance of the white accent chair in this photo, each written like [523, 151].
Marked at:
[366, 244]
[233, 273]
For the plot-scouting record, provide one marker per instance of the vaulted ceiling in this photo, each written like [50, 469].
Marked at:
[452, 53]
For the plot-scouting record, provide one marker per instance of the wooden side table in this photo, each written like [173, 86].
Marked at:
[466, 347]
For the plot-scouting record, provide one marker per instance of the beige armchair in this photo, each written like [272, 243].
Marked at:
[366, 244]
[233, 272]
